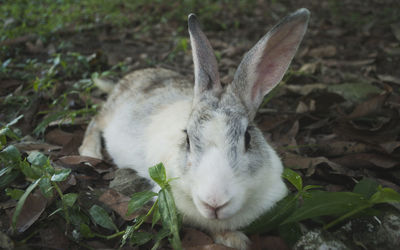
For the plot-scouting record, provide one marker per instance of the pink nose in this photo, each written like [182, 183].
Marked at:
[214, 207]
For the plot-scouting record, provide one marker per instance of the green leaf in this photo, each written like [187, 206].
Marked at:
[290, 233]
[13, 122]
[127, 235]
[156, 216]
[77, 216]
[272, 218]
[5, 171]
[322, 203]
[169, 216]
[56, 211]
[21, 203]
[308, 187]
[385, 195]
[30, 171]
[37, 158]
[164, 232]
[293, 178]
[61, 175]
[7, 175]
[69, 199]
[141, 238]
[158, 174]
[10, 155]
[366, 187]
[15, 193]
[100, 217]
[41, 127]
[138, 200]
[86, 232]
[46, 187]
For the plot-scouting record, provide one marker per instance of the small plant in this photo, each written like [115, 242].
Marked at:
[163, 209]
[315, 204]
[36, 168]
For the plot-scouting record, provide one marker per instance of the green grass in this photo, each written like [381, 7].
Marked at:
[43, 17]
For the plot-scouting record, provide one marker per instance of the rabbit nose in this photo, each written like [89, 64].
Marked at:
[215, 208]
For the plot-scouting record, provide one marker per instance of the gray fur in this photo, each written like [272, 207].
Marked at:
[221, 185]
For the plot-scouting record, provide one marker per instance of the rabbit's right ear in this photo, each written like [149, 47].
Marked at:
[264, 65]
[206, 74]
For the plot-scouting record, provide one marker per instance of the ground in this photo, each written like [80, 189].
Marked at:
[334, 118]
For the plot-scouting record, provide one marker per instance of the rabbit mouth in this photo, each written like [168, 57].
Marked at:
[215, 211]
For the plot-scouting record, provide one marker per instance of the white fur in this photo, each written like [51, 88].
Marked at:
[144, 120]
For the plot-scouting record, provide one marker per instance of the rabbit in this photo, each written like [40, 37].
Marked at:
[226, 173]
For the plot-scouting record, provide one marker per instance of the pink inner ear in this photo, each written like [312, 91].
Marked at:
[275, 59]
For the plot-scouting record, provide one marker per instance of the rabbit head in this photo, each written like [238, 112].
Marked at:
[231, 174]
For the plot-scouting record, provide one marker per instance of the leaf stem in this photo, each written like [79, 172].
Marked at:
[347, 215]
[65, 208]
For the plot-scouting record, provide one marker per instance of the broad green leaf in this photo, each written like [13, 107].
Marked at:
[10, 155]
[327, 203]
[61, 175]
[169, 216]
[140, 238]
[127, 235]
[46, 187]
[272, 218]
[293, 178]
[21, 203]
[158, 174]
[86, 232]
[138, 200]
[385, 195]
[366, 187]
[7, 178]
[30, 171]
[100, 216]
[290, 233]
[156, 216]
[77, 216]
[15, 193]
[37, 158]
[69, 199]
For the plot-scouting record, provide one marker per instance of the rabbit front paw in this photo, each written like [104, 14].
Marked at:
[234, 239]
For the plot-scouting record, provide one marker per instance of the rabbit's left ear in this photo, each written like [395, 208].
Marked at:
[263, 67]
[205, 64]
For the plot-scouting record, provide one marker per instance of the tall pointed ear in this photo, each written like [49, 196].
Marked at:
[206, 74]
[263, 67]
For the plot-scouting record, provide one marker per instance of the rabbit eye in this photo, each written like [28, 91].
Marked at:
[247, 138]
[187, 140]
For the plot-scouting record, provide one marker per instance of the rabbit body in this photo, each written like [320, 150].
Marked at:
[226, 173]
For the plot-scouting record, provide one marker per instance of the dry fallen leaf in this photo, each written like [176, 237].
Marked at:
[323, 51]
[118, 202]
[295, 161]
[366, 160]
[389, 78]
[268, 243]
[372, 105]
[338, 148]
[33, 207]
[53, 237]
